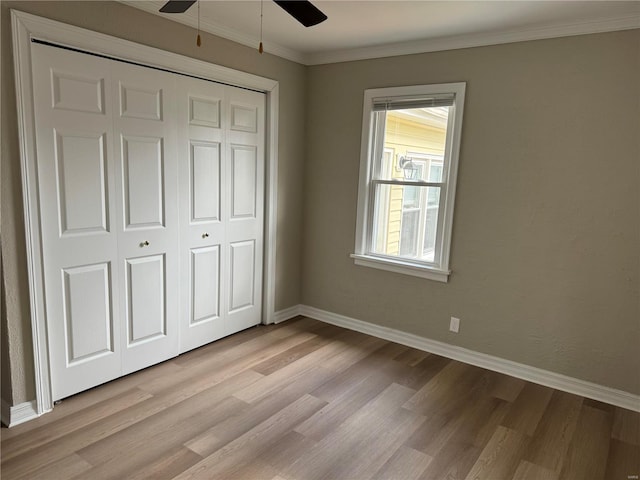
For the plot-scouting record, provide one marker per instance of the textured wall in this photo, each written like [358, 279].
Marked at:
[129, 23]
[546, 235]
[5, 363]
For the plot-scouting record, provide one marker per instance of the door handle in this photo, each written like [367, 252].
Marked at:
[205, 235]
[144, 244]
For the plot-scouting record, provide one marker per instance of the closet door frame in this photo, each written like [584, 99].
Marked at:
[27, 28]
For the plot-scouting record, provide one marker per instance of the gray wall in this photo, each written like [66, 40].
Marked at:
[546, 235]
[132, 24]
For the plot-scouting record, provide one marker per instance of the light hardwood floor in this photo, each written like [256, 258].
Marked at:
[304, 400]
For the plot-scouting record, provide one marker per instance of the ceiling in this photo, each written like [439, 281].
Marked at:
[369, 29]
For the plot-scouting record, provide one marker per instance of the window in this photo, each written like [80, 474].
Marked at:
[408, 168]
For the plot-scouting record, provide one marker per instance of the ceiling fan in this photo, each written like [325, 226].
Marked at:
[302, 10]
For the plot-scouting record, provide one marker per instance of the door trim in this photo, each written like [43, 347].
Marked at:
[26, 27]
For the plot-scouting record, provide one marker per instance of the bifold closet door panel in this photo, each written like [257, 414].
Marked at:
[145, 137]
[77, 176]
[202, 174]
[221, 144]
[244, 219]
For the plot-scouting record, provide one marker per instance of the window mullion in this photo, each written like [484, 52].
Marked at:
[410, 183]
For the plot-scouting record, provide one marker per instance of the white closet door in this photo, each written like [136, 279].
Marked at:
[151, 193]
[221, 209]
[202, 176]
[244, 220]
[107, 168]
[148, 224]
[76, 174]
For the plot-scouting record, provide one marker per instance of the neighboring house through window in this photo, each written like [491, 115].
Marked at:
[410, 146]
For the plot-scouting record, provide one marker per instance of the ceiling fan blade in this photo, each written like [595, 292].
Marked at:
[177, 6]
[303, 11]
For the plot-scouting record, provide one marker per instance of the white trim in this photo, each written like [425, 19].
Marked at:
[474, 40]
[393, 265]
[23, 412]
[25, 27]
[26, 132]
[90, 41]
[190, 18]
[453, 42]
[271, 206]
[286, 314]
[531, 374]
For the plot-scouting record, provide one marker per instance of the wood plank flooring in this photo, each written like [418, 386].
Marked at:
[307, 401]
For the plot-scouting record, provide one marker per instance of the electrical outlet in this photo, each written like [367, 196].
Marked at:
[454, 326]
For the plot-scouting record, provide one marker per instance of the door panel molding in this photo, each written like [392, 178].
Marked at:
[27, 27]
[77, 280]
[205, 284]
[145, 293]
[204, 112]
[241, 272]
[204, 179]
[143, 171]
[139, 102]
[73, 170]
[244, 166]
[69, 90]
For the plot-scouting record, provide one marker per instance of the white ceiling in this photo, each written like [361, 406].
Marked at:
[370, 29]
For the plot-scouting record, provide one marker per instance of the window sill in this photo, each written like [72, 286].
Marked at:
[398, 266]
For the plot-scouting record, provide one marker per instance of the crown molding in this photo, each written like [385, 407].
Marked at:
[190, 18]
[475, 40]
[454, 42]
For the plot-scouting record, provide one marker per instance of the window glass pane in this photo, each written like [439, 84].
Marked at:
[410, 232]
[435, 171]
[414, 135]
[387, 219]
[405, 221]
[433, 197]
[411, 195]
[431, 225]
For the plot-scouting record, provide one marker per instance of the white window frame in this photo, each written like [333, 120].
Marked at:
[363, 254]
[387, 165]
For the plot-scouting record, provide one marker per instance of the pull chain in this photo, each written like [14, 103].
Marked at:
[198, 41]
[260, 49]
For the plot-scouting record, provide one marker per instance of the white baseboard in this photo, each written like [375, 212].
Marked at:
[532, 374]
[17, 414]
[286, 314]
